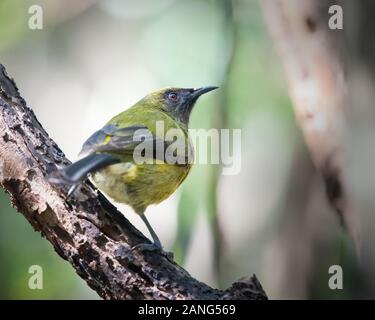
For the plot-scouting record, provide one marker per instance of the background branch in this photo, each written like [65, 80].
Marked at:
[88, 231]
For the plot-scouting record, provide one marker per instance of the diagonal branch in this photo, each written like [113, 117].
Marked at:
[88, 231]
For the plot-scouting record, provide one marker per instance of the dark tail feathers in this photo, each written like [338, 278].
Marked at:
[78, 171]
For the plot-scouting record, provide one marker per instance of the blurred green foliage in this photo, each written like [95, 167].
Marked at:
[13, 22]
[20, 248]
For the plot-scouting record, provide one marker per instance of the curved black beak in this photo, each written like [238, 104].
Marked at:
[198, 92]
[190, 97]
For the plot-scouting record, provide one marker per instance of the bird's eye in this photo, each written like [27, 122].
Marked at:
[173, 96]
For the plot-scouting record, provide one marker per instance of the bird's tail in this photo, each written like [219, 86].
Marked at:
[77, 171]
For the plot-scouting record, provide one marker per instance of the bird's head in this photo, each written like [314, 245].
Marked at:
[178, 102]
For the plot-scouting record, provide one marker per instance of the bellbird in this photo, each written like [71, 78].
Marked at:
[110, 152]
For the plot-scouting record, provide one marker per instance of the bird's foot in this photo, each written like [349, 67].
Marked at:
[152, 247]
[71, 190]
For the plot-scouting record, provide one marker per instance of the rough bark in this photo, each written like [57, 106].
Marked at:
[315, 73]
[88, 231]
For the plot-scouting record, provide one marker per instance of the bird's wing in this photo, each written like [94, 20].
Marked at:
[121, 140]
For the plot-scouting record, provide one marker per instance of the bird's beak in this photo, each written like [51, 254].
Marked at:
[198, 92]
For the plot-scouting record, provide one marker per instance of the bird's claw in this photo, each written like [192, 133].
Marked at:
[152, 247]
[71, 191]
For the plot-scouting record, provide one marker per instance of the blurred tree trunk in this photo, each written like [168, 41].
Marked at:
[314, 69]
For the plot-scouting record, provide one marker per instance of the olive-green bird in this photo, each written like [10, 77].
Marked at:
[111, 152]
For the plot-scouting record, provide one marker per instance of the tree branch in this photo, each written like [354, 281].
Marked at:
[87, 230]
[315, 75]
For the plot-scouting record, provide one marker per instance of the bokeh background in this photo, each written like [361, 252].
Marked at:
[92, 59]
